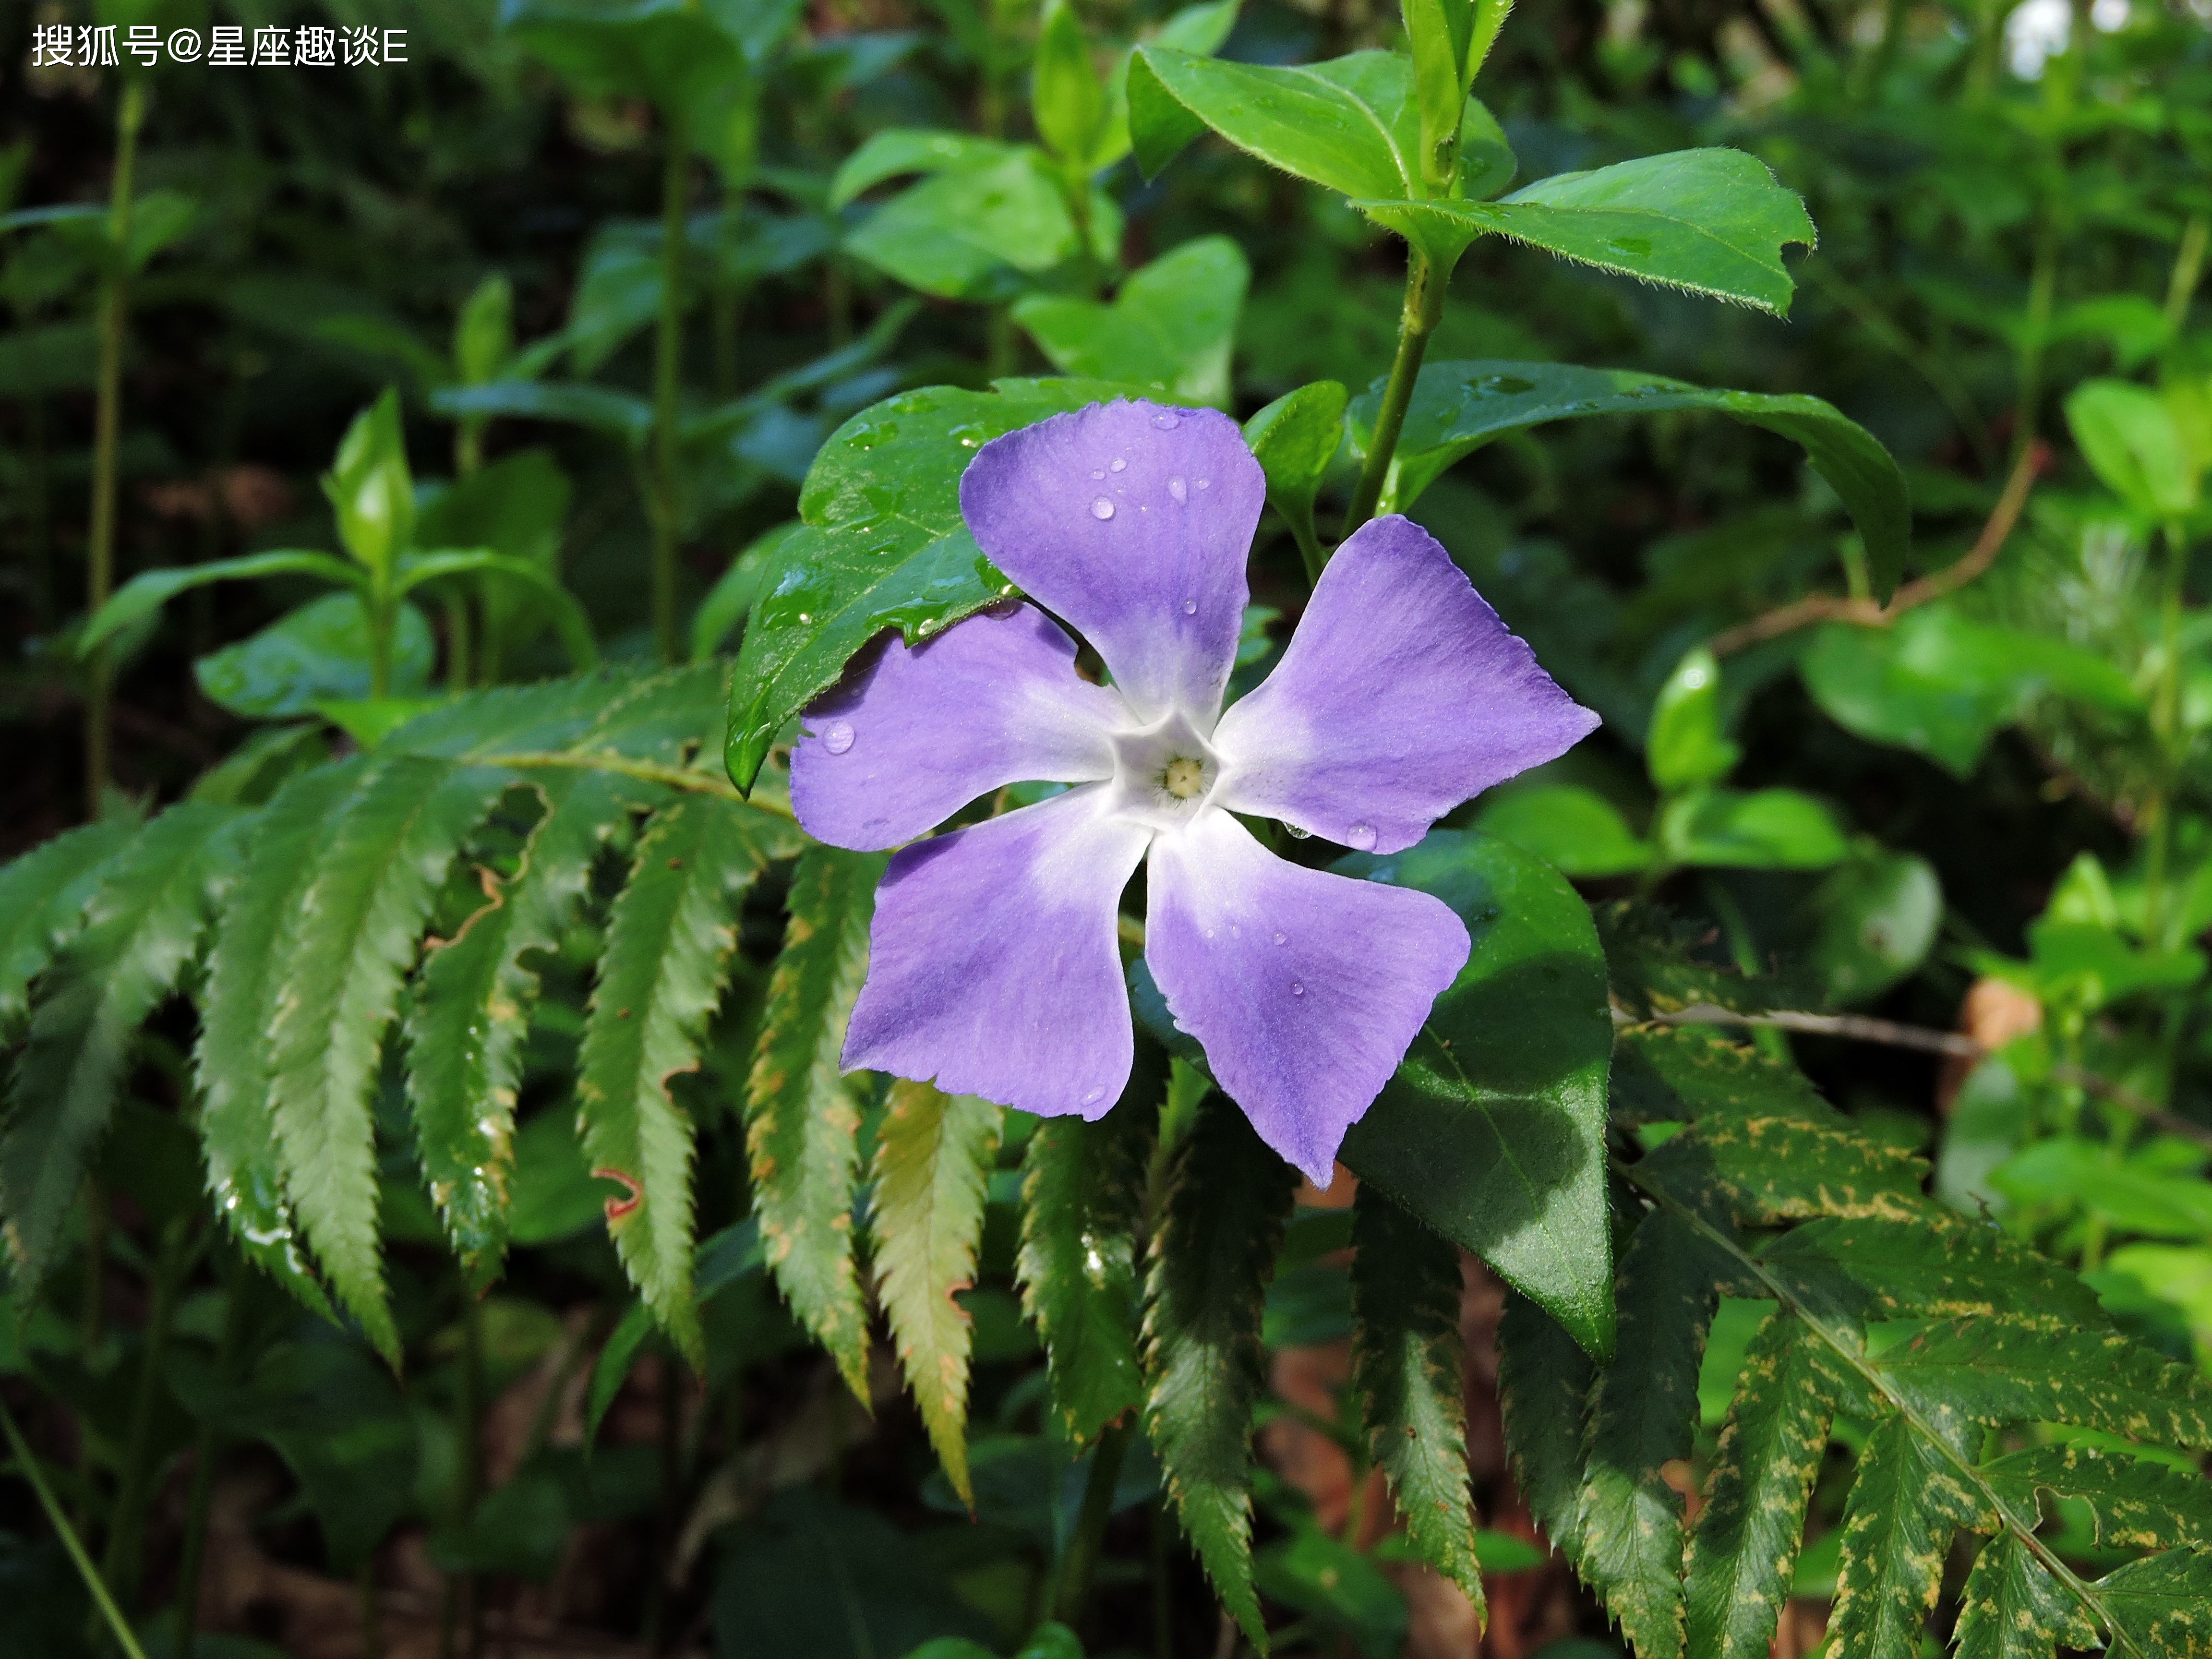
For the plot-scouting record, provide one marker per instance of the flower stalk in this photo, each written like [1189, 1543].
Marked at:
[667, 385]
[107, 422]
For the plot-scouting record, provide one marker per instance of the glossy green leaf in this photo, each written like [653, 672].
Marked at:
[975, 233]
[1169, 329]
[934, 1157]
[371, 489]
[1492, 1131]
[319, 652]
[803, 1115]
[884, 547]
[1083, 1200]
[730, 601]
[1544, 1384]
[148, 591]
[1686, 746]
[1351, 124]
[1754, 829]
[670, 938]
[1743, 1547]
[569, 620]
[1294, 439]
[1928, 1261]
[1068, 98]
[1710, 222]
[142, 925]
[2130, 437]
[1574, 830]
[2011, 1607]
[42, 900]
[1459, 406]
[1408, 1356]
[1205, 1289]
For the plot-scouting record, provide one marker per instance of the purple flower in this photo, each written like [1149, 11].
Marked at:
[994, 968]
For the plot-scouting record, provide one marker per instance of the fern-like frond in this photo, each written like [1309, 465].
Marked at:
[42, 900]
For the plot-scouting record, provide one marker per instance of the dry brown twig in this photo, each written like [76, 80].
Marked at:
[1865, 613]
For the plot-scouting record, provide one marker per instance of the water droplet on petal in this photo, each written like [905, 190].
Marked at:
[1092, 1097]
[837, 736]
[1101, 508]
[1359, 837]
[1098, 472]
[1119, 464]
[1296, 989]
[1177, 488]
[1206, 484]
[1190, 607]
[1282, 938]
[1297, 834]
[1167, 422]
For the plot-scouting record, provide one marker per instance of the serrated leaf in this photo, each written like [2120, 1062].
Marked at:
[2139, 1505]
[1652, 964]
[1905, 1505]
[2162, 1605]
[1407, 1358]
[883, 546]
[334, 984]
[1685, 1073]
[1204, 1294]
[933, 1155]
[1998, 1370]
[1458, 407]
[1492, 1130]
[670, 937]
[2012, 1608]
[802, 1115]
[1773, 1169]
[1544, 1384]
[1743, 1547]
[473, 1006]
[42, 899]
[1643, 1416]
[142, 924]
[1930, 1261]
[1083, 1200]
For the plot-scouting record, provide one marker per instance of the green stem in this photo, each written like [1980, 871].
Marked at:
[28, 1465]
[1424, 304]
[668, 1519]
[34, 490]
[202, 1499]
[2188, 267]
[2172, 743]
[126, 1525]
[457, 644]
[379, 607]
[2042, 287]
[675, 179]
[107, 422]
[1082, 1557]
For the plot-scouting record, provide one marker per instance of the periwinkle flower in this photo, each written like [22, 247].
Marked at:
[994, 967]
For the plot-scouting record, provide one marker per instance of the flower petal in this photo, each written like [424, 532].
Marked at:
[1399, 695]
[1304, 988]
[993, 967]
[920, 733]
[1132, 520]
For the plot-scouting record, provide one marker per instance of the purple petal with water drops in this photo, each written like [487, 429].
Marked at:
[1399, 695]
[918, 733]
[1304, 988]
[993, 965]
[1131, 520]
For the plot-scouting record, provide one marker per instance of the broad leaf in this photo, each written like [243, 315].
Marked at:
[148, 592]
[1998, 1371]
[601, 409]
[1577, 831]
[2137, 1504]
[315, 654]
[898, 150]
[1751, 830]
[977, 232]
[2162, 1606]
[1492, 1131]
[1294, 439]
[1169, 329]
[1686, 747]
[569, 621]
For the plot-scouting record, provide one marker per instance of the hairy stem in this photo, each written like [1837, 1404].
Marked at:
[26, 1465]
[1424, 304]
[107, 426]
[675, 179]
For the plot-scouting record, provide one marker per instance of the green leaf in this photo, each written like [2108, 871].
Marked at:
[42, 900]
[246, 1173]
[142, 925]
[621, 415]
[1743, 1547]
[1686, 747]
[1204, 1293]
[1643, 1416]
[2163, 1605]
[1351, 124]
[670, 51]
[2130, 439]
[1996, 1370]
[731, 601]
[1771, 1168]
[1492, 1130]
[1083, 1201]
[1574, 830]
[2011, 1607]
[484, 332]
[1437, 34]
[884, 547]
[1067, 100]
[148, 592]
[316, 653]
[897, 150]
[1905, 1505]
[337, 962]
[467, 1025]
[1680, 1073]
[1710, 222]
[670, 938]
[1929, 1260]
[1544, 1384]
[1169, 329]
[2138, 1505]
[1407, 1358]
[933, 1158]
[1294, 439]
[802, 1115]
[1753, 830]
[371, 489]
[1457, 407]
[612, 1368]
[977, 233]
[569, 621]
[1879, 916]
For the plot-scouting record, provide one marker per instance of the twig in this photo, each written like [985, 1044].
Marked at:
[1865, 613]
[1859, 1027]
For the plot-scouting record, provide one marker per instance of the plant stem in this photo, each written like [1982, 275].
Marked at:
[127, 1522]
[674, 179]
[458, 1617]
[2041, 286]
[203, 1461]
[1163, 1591]
[1424, 304]
[28, 1465]
[34, 490]
[107, 422]
[1082, 1556]
[379, 605]
[458, 673]
[2188, 267]
[2165, 730]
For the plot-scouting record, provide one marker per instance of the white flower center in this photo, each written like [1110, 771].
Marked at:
[1164, 773]
[1184, 778]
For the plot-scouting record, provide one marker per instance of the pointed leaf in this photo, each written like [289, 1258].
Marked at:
[42, 900]
[933, 1156]
[2162, 1606]
[670, 937]
[1204, 1294]
[2012, 1608]
[2138, 1505]
[1352, 124]
[1408, 1356]
[1933, 1261]
[1545, 1379]
[1998, 1371]
[151, 590]
[1905, 1505]
[1777, 1168]
[1169, 329]
[802, 1115]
